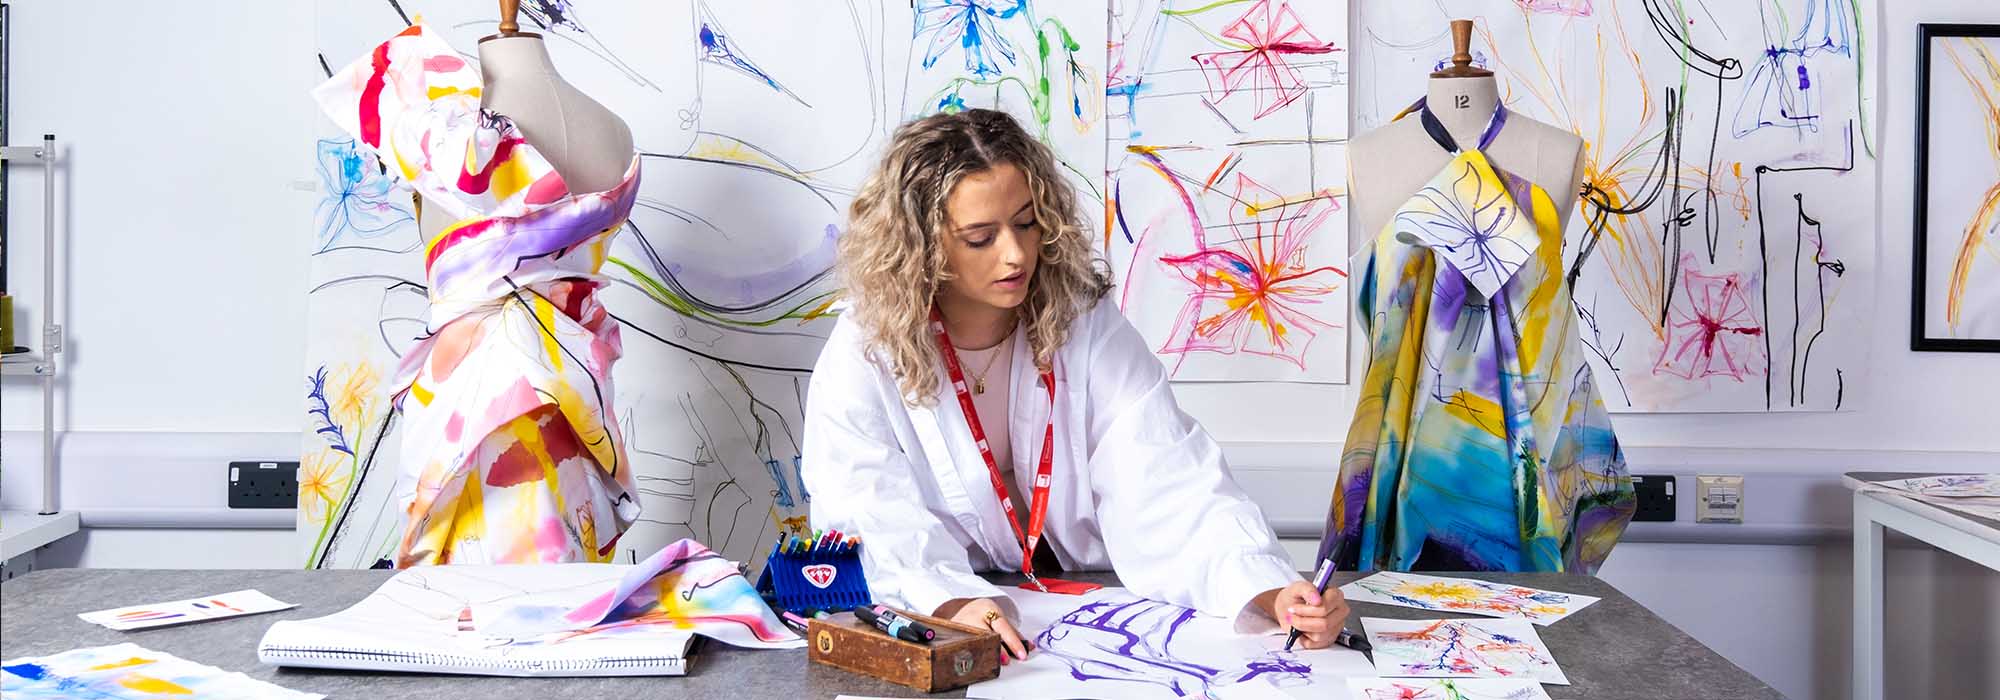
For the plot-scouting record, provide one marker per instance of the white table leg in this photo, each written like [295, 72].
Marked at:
[1867, 600]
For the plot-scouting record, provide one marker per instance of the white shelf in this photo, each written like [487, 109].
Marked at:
[27, 364]
[22, 531]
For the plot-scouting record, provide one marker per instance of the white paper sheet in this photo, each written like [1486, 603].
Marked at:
[1112, 644]
[130, 672]
[1975, 494]
[1444, 689]
[1949, 486]
[1461, 649]
[1466, 596]
[216, 607]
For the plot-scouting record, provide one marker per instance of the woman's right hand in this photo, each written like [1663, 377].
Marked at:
[985, 614]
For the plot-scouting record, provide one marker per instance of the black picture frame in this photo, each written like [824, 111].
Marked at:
[1927, 34]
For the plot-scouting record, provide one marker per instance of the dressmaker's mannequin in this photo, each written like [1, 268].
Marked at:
[586, 143]
[1388, 165]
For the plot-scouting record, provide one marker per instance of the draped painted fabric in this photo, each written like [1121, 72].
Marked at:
[1480, 441]
[510, 453]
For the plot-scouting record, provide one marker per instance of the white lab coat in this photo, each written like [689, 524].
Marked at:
[1138, 486]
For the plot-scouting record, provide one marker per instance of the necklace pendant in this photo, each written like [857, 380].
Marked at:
[979, 385]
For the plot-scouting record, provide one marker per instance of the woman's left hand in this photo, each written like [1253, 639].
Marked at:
[1300, 606]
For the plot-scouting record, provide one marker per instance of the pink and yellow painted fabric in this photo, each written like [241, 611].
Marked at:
[507, 434]
[685, 586]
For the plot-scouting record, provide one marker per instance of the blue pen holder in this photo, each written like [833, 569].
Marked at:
[799, 582]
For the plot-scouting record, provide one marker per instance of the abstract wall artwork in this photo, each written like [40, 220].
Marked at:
[1224, 223]
[1112, 644]
[1723, 252]
[1956, 295]
[755, 129]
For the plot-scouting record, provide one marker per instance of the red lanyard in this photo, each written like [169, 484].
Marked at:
[1040, 501]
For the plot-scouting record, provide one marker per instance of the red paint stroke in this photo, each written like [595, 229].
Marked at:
[477, 183]
[548, 189]
[1713, 332]
[1272, 33]
[371, 92]
[454, 237]
[516, 465]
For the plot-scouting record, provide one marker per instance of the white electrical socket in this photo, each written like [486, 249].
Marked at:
[1718, 499]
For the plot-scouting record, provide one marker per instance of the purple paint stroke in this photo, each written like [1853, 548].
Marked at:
[1131, 641]
[1280, 666]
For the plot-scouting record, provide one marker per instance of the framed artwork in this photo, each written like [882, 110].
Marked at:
[1955, 295]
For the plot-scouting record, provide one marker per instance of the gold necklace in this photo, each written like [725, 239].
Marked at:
[979, 380]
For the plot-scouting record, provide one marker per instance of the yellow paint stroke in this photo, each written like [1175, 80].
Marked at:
[128, 663]
[437, 92]
[818, 311]
[1985, 85]
[156, 686]
[512, 176]
[423, 395]
[1476, 410]
[546, 313]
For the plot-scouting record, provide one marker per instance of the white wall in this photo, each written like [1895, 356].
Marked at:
[187, 305]
[186, 282]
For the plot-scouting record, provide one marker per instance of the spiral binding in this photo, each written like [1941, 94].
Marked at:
[430, 660]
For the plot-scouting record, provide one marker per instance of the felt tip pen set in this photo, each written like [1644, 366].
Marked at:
[818, 570]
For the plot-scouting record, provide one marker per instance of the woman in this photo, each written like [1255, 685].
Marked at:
[973, 291]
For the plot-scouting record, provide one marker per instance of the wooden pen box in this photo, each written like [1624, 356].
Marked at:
[958, 657]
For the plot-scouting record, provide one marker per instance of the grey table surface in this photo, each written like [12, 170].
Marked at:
[1615, 649]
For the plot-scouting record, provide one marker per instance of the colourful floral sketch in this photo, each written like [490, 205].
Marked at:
[1465, 596]
[1461, 649]
[1255, 293]
[1266, 33]
[968, 24]
[1714, 331]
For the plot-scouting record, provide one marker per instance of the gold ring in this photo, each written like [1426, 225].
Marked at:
[991, 615]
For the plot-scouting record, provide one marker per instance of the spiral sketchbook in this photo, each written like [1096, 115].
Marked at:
[538, 620]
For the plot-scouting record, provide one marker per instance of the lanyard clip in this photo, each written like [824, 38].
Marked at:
[1036, 581]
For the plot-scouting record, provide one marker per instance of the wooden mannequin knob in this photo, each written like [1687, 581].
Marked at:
[1461, 54]
[508, 10]
[1461, 38]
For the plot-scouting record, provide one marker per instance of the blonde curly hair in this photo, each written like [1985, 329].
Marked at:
[892, 262]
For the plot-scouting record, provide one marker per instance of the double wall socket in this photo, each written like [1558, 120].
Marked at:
[263, 484]
[1718, 499]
